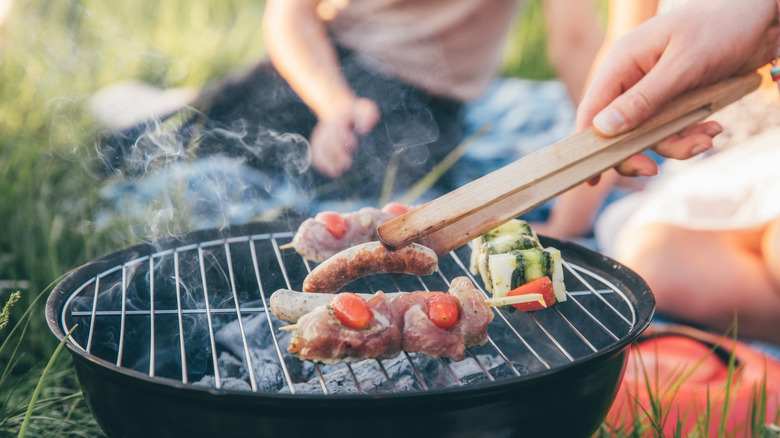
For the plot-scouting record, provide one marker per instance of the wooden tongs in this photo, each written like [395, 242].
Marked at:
[455, 218]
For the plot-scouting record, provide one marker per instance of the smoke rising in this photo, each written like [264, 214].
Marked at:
[239, 152]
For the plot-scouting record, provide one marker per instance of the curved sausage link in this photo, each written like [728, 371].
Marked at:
[366, 259]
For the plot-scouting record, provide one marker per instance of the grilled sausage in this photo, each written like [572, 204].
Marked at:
[289, 305]
[366, 259]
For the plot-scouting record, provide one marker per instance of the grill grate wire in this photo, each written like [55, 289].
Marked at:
[553, 335]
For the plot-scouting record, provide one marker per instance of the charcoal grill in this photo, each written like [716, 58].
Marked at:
[173, 339]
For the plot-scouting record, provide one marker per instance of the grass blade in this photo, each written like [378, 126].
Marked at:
[26, 314]
[39, 386]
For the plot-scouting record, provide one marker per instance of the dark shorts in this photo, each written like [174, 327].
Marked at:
[258, 117]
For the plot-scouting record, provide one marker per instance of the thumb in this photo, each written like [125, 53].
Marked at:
[638, 103]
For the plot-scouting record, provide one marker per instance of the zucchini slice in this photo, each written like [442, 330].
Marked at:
[517, 267]
[515, 234]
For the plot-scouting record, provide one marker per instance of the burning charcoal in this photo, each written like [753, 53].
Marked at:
[261, 350]
[503, 371]
[258, 335]
[230, 366]
[470, 366]
[300, 371]
[339, 380]
[268, 373]
[227, 383]
[469, 371]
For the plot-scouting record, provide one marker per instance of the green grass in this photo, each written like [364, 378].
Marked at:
[54, 54]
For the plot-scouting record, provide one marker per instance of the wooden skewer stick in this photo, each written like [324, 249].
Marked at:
[289, 327]
[286, 246]
[516, 299]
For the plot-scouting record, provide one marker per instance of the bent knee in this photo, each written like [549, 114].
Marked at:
[665, 257]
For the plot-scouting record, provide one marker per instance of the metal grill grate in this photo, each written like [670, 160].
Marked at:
[161, 313]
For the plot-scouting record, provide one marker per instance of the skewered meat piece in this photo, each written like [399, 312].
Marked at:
[475, 314]
[321, 337]
[421, 335]
[329, 233]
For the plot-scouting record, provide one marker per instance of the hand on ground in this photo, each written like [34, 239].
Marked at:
[335, 138]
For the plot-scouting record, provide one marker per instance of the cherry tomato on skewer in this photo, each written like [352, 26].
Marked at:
[351, 310]
[442, 309]
[541, 286]
[334, 223]
[395, 208]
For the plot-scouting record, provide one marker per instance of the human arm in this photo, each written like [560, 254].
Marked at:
[574, 211]
[573, 39]
[298, 45]
[697, 44]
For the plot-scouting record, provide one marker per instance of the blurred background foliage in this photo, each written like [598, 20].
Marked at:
[54, 55]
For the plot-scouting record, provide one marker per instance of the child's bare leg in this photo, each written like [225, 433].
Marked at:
[770, 247]
[706, 277]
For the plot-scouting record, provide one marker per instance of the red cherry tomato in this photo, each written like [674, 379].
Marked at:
[539, 286]
[395, 208]
[351, 310]
[442, 309]
[334, 223]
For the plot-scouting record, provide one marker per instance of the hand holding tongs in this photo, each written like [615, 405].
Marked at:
[455, 218]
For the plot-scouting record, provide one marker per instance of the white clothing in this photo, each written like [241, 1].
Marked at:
[736, 187]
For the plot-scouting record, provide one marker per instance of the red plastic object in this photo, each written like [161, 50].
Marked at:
[686, 370]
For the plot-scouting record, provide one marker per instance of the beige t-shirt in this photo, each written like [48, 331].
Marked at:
[450, 48]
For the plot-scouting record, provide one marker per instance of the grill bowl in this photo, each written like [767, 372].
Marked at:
[564, 373]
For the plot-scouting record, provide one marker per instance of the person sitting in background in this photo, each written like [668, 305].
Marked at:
[380, 87]
[356, 102]
[705, 234]
[355, 96]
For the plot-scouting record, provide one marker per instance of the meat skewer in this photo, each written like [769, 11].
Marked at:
[322, 337]
[328, 233]
[431, 323]
[289, 305]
